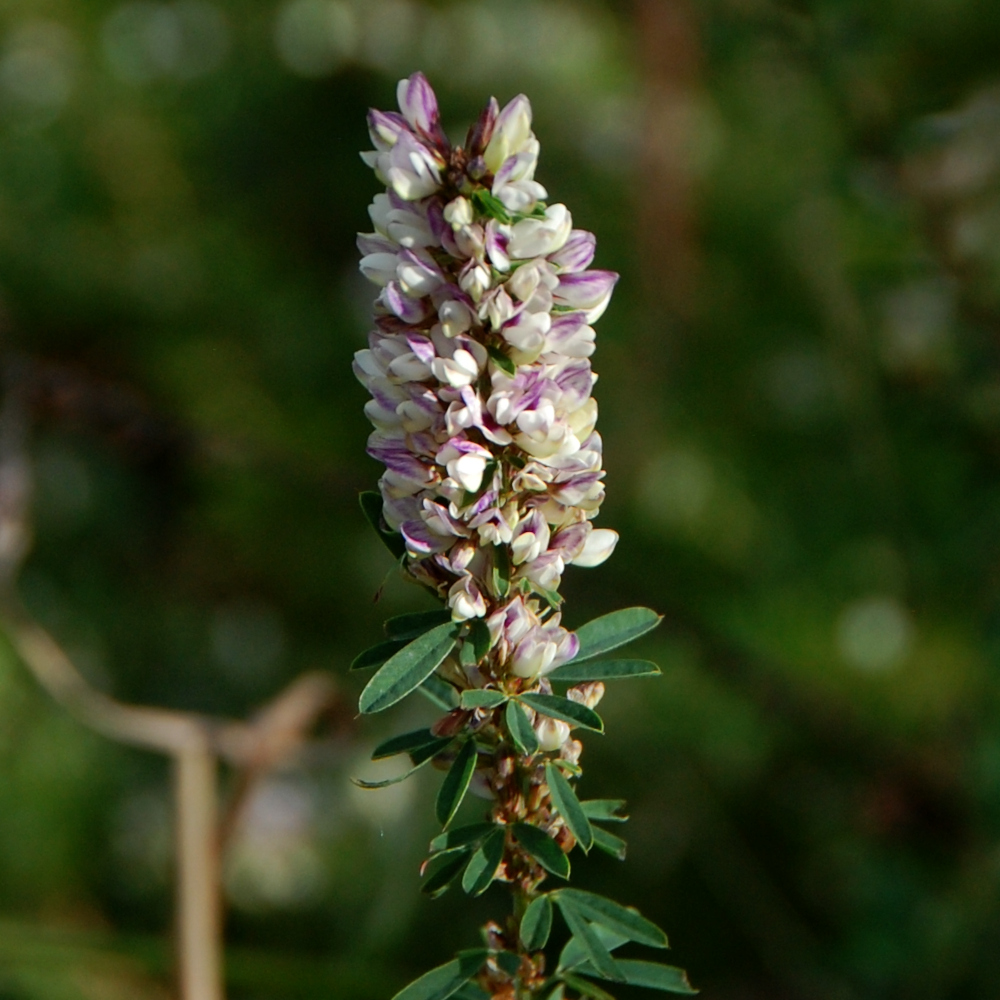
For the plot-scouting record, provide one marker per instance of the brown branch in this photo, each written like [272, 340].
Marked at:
[195, 742]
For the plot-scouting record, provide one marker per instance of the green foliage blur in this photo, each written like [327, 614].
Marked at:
[800, 393]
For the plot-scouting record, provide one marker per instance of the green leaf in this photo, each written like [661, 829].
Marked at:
[439, 881]
[482, 698]
[536, 924]
[377, 654]
[479, 633]
[603, 670]
[605, 810]
[371, 506]
[404, 743]
[562, 708]
[586, 988]
[445, 980]
[471, 991]
[461, 835]
[609, 843]
[483, 864]
[502, 362]
[473, 955]
[439, 692]
[521, 730]
[431, 750]
[543, 849]
[490, 205]
[597, 952]
[614, 916]
[568, 806]
[652, 975]
[609, 632]
[408, 669]
[415, 623]
[552, 597]
[456, 783]
[509, 962]
[574, 954]
[420, 757]
[501, 570]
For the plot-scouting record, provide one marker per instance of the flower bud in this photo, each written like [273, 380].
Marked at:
[551, 733]
[589, 694]
[510, 133]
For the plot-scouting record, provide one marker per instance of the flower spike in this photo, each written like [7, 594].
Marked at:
[479, 372]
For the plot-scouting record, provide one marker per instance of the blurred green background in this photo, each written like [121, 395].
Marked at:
[800, 393]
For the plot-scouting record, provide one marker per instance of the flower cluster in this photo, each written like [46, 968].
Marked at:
[479, 371]
[480, 378]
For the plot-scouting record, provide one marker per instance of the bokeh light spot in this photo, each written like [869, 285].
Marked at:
[874, 634]
[144, 40]
[37, 69]
[314, 37]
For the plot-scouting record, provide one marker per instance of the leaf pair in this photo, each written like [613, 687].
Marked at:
[421, 745]
[478, 848]
[600, 925]
[446, 980]
[606, 811]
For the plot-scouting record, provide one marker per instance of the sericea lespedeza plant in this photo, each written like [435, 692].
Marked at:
[480, 378]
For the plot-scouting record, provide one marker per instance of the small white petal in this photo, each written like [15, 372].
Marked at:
[599, 546]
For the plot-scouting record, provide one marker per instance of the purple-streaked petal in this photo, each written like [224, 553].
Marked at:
[576, 378]
[577, 252]
[419, 105]
[421, 540]
[578, 488]
[385, 128]
[421, 347]
[480, 134]
[407, 309]
[496, 246]
[585, 290]
[482, 504]
[369, 243]
[440, 228]
[396, 510]
[569, 541]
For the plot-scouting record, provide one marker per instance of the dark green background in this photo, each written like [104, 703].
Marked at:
[800, 397]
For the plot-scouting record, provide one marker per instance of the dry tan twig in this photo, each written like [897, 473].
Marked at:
[195, 742]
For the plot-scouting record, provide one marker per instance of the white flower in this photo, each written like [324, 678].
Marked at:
[411, 169]
[465, 462]
[456, 317]
[541, 237]
[551, 733]
[531, 538]
[534, 655]
[459, 213]
[598, 547]
[418, 275]
[475, 280]
[510, 133]
[458, 370]
[379, 268]
[465, 600]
